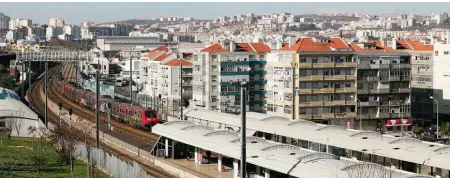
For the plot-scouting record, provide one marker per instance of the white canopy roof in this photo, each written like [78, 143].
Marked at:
[405, 149]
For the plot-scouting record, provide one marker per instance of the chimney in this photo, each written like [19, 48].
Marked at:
[232, 46]
[340, 34]
[292, 41]
[394, 43]
[432, 40]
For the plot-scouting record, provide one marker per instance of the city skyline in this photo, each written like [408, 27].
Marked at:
[41, 12]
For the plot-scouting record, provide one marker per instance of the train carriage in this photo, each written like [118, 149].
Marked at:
[124, 112]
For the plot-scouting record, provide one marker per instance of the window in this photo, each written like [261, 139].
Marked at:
[303, 60]
[315, 72]
[314, 60]
[436, 53]
[348, 84]
[445, 52]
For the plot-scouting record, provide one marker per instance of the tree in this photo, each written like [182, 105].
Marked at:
[6, 80]
[417, 130]
[445, 130]
[64, 140]
[38, 159]
[10, 126]
[17, 125]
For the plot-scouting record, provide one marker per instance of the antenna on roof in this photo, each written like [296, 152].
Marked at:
[340, 34]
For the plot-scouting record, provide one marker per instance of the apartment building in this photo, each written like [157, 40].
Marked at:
[219, 71]
[171, 79]
[324, 81]
[421, 79]
[441, 81]
[384, 91]
[152, 70]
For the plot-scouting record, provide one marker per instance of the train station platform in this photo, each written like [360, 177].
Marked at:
[209, 170]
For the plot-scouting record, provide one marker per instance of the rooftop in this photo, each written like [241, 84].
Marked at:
[176, 62]
[284, 158]
[405, 149]
[312, 44]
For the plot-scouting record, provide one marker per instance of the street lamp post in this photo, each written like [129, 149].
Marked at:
[360, 110]
[437, 116]
[243, 133]
[294, 65]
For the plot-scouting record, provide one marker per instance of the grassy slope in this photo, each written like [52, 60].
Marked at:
[22, 149]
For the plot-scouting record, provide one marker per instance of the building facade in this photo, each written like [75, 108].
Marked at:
[317, 79]
[219, 71]
[56, 22]
[4, 21]
[421, 79]
[384, 90]
[441, 81]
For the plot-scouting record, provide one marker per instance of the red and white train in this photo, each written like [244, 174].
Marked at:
[139, 116]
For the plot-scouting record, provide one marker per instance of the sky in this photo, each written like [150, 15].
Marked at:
[99, 12]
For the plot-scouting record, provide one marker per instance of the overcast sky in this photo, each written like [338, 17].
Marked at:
[76, 13]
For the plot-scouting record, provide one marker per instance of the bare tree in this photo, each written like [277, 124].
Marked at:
[18, 123]
[40, 133]
[65, 140]
[10, 126]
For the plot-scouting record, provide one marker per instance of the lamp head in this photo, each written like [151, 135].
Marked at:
[431, 97]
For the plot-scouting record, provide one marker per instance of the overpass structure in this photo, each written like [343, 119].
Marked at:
[56, 56]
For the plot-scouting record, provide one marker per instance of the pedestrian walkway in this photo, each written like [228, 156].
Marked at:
[210, 170]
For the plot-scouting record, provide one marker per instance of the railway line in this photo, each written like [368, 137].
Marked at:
[38, 104]
[138, 134]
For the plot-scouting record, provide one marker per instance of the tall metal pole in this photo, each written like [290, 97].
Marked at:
[293, 91]
[46, 94]
[360, 114]
[181, 89]
[131, 81]
[22, 76]
[29, 82]
[97, 92]
[243, 133]
[437, 117]
[76, 67]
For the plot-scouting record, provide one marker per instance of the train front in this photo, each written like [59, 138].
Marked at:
[150, 118]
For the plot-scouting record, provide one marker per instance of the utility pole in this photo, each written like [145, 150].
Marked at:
[181, 89]
[293, 90]
[97, 92]
[46, 94]
[131, 81]
[76, 67]
[243, 133]
[29, 82]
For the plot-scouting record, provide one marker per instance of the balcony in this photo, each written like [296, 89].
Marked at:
[366, 116]
[305, 65]
[328, 64]
[346, 64]
[317, 116]
[345, 115]
[395, 102]
[338, 103]
[401, 66]
[328, 90]
[304, 104]
[369, 104]
[316, 103]
[383, 115]
[346, 90]
[305, 91]
[373, 66]
[311, 78]
[400, 115]
[401, 90]
[369, 78]
[317, 65]
[328, 115]
[305, 116]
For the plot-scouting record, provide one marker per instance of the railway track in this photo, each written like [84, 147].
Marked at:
[86, 113]
[39, 105]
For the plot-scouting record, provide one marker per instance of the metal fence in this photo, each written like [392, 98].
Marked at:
[109, 163]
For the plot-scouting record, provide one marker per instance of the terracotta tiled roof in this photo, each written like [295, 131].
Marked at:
[152, 54]
[308, 44]
[414, 45]
[378, 48]
[161, 48]
[260, 47]
[162, 57]
[214, 48]
[176, 62]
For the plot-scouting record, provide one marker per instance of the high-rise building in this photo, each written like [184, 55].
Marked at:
[56, 22]
[4, 21]
[384, 92]
[219, 71]
[312, 79]
[19, 22]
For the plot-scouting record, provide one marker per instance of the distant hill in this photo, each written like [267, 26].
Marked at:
[132, 21]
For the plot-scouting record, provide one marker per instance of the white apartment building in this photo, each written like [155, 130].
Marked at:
[56, 22]
[441, 79]
[74, 31]
[220, 68]
[52, 31]
[19, 22]
[171, 79]
[4, 21]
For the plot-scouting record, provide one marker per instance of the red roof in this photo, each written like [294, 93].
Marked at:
[260, 47]
[413, 45]
[177, 62]
[161, 48]
[214, 48]
[162, 56]
[152, 54]
[308, 44]
[379, 48]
